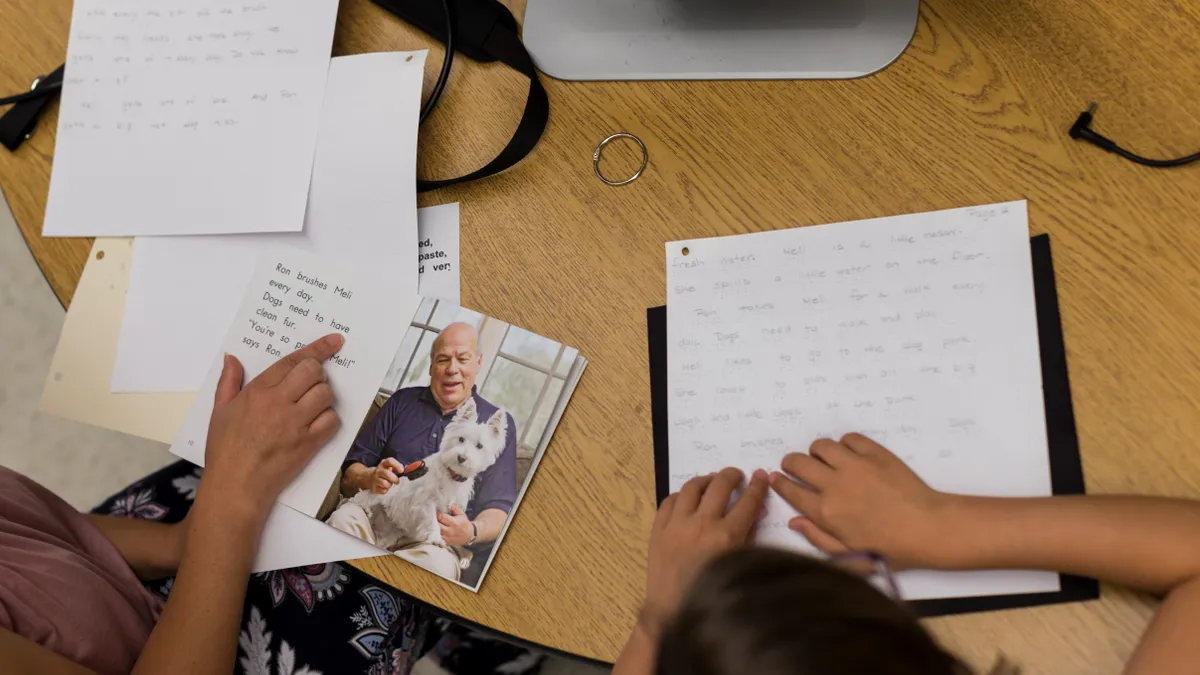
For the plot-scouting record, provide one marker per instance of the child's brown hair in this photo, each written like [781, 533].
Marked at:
[761, 611]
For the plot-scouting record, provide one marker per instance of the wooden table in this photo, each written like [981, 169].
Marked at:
[975, 111]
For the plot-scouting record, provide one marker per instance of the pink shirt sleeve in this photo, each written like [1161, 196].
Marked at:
[64, 586]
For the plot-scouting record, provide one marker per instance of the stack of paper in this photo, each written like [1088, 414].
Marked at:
[213, 132]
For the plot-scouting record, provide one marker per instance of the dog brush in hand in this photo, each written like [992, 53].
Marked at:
[415, 470]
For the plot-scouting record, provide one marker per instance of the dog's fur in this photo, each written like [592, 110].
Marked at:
[407, 513]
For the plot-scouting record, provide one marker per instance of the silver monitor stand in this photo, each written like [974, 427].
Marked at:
[716, 39]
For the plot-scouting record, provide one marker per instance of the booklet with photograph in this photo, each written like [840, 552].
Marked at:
[443, 457]
[440, 436]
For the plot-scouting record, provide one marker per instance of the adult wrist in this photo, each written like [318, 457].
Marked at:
[358, 477]
[364, 476]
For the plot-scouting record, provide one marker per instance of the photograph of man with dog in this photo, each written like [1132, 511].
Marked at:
[437, 469]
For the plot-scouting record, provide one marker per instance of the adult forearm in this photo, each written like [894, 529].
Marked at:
[1151, 544]
[153, 550]
[354, 478]
[198, 630]
[490, 522]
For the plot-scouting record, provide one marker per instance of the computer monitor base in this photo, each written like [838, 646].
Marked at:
[716, 39]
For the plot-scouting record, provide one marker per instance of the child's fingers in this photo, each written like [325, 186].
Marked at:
[324, 426]
[800, 497]
[320, 351]
[230, 382]
[664, 513]
[690, 494]
[862, 445]
[816, 536]
[716, 497]
[745, 512]
[810, 470]
[831, 452]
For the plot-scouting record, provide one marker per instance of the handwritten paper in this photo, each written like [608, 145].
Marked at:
[196, 117]
[918, 331]
[293, 299]
[362, 207]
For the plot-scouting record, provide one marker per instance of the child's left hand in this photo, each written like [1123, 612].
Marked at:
[691, 528]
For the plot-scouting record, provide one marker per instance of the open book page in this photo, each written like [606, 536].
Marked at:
[293, 299]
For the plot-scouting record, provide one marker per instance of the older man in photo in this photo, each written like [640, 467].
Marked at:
[409, 427]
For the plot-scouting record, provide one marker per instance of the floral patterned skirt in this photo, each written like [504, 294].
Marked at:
[329, 618]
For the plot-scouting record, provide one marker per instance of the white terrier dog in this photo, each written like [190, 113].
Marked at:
[407, 512]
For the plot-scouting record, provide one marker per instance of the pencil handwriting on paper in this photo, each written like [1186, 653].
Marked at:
[917, 331]
[113, 47]
[188, 116]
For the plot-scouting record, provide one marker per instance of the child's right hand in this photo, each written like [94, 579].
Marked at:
[261, 435]
[856, 495]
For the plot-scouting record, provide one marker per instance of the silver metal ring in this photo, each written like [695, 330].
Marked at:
[36, 82]
[600, 150]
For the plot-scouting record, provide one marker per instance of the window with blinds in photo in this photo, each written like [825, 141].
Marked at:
[522, 372]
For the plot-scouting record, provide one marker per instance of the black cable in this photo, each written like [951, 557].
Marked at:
[41, 91]
[1082, 130]
[443, 76]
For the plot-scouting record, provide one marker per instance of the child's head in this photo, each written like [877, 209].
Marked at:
[760, 611]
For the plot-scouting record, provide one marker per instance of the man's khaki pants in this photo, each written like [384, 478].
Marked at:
[351, 519]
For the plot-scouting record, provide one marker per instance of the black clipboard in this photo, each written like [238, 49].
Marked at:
[1066, 469]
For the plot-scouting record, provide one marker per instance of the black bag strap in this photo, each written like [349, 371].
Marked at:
[484, 30]
[19, 121]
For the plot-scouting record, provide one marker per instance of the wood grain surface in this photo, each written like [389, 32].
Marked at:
[975, 111]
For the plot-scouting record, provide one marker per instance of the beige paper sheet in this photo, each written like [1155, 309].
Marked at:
[77, 386]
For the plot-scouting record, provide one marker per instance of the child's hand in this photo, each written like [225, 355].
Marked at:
[692, 527]
[857, 495]
[261, 435]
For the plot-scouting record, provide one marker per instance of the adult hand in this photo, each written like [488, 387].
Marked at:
[381, 479]
[692, 527]
[856, 495]
[261, 435]
[456, 526]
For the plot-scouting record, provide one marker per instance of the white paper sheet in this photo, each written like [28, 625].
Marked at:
[295, 298]
[188, 117]
[919, 331]
[292, 539]
[362, 207]
[439, 268]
